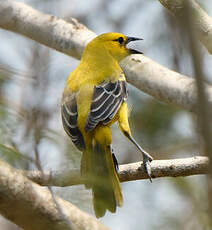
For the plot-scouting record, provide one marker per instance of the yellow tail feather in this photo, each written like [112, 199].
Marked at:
[102, 178]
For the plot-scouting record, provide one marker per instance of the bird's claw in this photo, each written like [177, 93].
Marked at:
[146, 162]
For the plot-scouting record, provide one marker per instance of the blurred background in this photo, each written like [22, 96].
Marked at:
[32, 78]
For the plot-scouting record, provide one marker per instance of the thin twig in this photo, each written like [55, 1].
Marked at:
[127, 172]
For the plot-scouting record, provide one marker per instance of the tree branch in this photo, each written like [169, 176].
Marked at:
[31, 207]
[127, 172]
[67, 37]
[164, 84]
[201, 21]
[70, 38]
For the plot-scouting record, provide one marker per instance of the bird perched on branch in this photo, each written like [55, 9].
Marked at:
[94, 98]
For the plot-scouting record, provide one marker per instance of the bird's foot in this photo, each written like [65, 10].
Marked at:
[146, 162]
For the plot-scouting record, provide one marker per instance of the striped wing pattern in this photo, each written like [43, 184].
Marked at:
[69, 119]
[107, 99]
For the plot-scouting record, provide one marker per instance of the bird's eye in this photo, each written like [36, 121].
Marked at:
[120, 40]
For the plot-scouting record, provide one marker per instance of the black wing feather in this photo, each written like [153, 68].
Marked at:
[69, 119]
[107, 99]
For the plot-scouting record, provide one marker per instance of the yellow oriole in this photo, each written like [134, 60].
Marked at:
[93, 99]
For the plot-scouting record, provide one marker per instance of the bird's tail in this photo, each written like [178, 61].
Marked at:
[98, 166]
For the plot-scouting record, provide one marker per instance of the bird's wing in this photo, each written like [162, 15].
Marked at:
[69, 119]
[107, 99]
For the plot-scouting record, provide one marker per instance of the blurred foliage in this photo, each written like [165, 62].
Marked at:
[196, 216]
[154, 119]
[12, 156]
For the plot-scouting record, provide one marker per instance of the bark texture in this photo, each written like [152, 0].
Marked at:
[128, 172]
[31, 207]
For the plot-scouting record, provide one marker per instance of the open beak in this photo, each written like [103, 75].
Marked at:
[131, 39]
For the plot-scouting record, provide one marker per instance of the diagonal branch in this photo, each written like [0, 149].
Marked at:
[201, 21]
[127, 172]
[31, 207]
[70, 38]
[164, 84]
[67, 37]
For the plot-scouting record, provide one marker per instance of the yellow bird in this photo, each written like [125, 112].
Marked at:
[93, 99]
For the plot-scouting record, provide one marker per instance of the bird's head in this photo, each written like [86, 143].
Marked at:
[115, 44]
